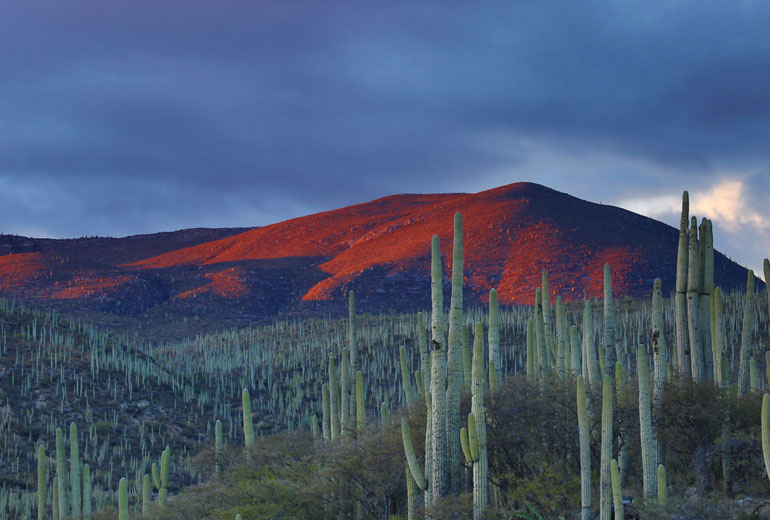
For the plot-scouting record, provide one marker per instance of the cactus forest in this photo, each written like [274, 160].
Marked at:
[597, 408]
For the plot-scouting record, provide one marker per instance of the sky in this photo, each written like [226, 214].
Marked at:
[139, 116]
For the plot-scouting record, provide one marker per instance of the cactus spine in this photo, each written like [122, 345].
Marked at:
[42, 479]
[480, 494]
[746, 330]
[682, 257]
[61, 474]
[454, 360]
[75, 478]
[585, 450]
[123, 499]
[248, 425]
[649, 449]
[693, 305]
[606, 450]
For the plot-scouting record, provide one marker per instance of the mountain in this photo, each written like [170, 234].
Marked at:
[380, 249]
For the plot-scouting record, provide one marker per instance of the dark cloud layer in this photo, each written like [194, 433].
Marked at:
[127, 117]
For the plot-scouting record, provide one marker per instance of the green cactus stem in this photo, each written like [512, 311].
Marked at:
[123, 499]
[766, 267]
[494, 336]
[606, 450]
[411, 496]
[611, 348]
[766, 432]
[160, 479]
[360, 403]
[146, 494]
[753, 375]
[543, 367]
[248, 425]
[649, 448]
[706, 270]
[576, 363]
[617, 492]
[466, 358]
[218, 444]
[345, 393]
[42, 480]
[353, 352]
[438, 477]
[334, 405]
[592, 371]
[411, 458]
[405, 375]
[75, 477]
[86, 490]
[697, 367]
[682, 264]
[662, 486]
[531, 350]
[384, 414]
[454, 361]
[61, 473]
[561, 339]
[585, 450]
[479, 447]
[55, 499]
[325, 418]
[746, 333]
[659, 353]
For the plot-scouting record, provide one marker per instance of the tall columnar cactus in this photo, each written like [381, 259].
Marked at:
[576, 362]
[585, 450]
[531, 350]
[706, 267]
[766, 267]
[542, 352]
[622, 400]
[248, 424]
[146, 494]
[160, 478]
[467, 357]
[617, 492]
[123, 499]
[438, 378]
[345, 393]
[360, 403]
[422, 344]
[61, 474]
[455, 360]
[608, 339]
[697, 367]
[325, 413]
[660, 356]
[75, 478]
[42, 480]
[494, 335]
[55, 499]
[662, 486]
[719, 333]
[605, 492]
[753, 375]
[480, 492]
[384, 414]
[746, 332]
[766, 432]
[561, 337]
[218, 444]
[86, 490]
[649, 449]
[591, 367]
[411, 458]
[405, 375]
[353, 350]
[334, 405]
[682, 262]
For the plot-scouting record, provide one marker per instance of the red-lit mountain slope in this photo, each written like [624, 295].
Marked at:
[381, 249]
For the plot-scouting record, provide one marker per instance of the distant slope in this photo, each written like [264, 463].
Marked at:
[379, 248]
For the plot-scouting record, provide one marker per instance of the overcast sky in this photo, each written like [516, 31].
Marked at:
[124, 117]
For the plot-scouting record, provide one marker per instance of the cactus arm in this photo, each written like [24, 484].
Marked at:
[411, 458]
[248, 425]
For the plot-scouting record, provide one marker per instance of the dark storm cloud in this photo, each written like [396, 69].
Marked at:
[125, 117]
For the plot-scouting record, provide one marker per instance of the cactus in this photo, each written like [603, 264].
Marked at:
[718, 338]
[753, 375]
[218, 445]
[454, 360]
[411, 496]
[161, 479]
[424, 354]
[746, 330]
[123, 499]
[146, 494]
[660, 356]
[405, 375]
[662, 486]
[531, 350]
[706, 265]
[384, 414]
[42, 479]
[86, 490]
[353, 350]
[649, 449]
[466, 358]
[438, 477]
[494, 335]
[75, 478]
[591, 366]
[479, 447]
[606, 450]
[620, 391]
[766, 268]
[325, 425]
[576, 362]
[611, 350]
[314, 427]
[334, 405]
[248, 425]
[542, 352]
[345, 393]
[693, 306]
[617, 492]
[766, 432]
[585, 450]
[55, 499]
[682, 264]
[561, 338]
[61, 473]
[360, 403]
